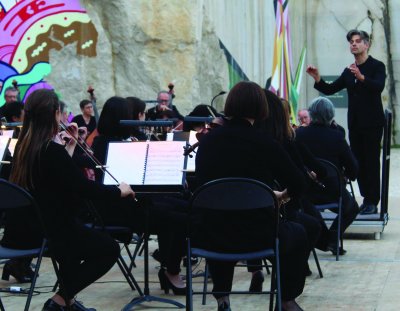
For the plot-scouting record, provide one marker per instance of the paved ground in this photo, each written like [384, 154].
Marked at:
[366, 278]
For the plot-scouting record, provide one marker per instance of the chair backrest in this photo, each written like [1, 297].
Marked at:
[233, 194]
[333, 180]
[13, 196]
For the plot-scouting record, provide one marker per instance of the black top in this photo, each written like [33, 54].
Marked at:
[239, 150]
[58, 184]
[365, 103]
[329, 144]
[154, 113]
[81, 122]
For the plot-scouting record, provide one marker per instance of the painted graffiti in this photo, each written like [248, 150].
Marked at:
[29, 30]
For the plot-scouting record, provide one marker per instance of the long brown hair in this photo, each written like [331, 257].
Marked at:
[39, 127]
[278, 123]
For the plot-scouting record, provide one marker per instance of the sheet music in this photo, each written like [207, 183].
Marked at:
[146, 163]
[8, 133]
[126, 162]
[3, 146]
[12, 144]
[165, 162]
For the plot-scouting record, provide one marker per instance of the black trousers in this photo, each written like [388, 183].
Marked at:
[365, 144]
[294, 251]
[162, 219]
[83, 255]
[311, 225]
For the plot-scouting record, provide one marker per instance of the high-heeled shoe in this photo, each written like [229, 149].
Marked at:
[166, 284]
[19, 269]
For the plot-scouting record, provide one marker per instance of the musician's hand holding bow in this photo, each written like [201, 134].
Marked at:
[282, 197]
[126, 190]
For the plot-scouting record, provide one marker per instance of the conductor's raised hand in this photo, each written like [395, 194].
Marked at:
[313, 72]
[126, 190]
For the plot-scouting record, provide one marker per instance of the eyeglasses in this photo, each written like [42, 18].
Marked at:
[163, 100]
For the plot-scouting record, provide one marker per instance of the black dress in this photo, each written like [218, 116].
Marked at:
[239, 150]
[83, 254]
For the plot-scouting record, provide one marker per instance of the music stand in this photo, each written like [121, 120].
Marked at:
[113, 151]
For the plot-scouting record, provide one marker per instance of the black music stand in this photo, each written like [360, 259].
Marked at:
[145, 296]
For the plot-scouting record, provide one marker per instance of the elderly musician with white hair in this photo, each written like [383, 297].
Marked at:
[329, 144]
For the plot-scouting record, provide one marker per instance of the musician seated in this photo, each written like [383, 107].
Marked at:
[201, 110]
[14, 112]
[227, 151]
[161, 214]
[303, 117]
[328, 143]
[164, 102]
[137, 107]
[298, 210]
[46, 169]
[86, 118]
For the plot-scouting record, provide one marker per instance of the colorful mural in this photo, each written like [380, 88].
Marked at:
[29, 30]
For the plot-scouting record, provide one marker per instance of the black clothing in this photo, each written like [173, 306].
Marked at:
[162, 219]
[239, 150]
[83, 254]
[329, 144]
[365, 121]
[154, 113]
[91, 126]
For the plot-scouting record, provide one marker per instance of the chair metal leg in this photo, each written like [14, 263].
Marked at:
[266, 266]
[317, 263]
[33, 283]
[205, 284]
[189, 283]
[1, 306]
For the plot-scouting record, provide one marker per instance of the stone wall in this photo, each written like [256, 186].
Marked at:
[142, 46]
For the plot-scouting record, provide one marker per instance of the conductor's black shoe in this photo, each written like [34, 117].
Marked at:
[224, 307]
[78, 306]
[51, 305]
[367, 209]
[257, 281]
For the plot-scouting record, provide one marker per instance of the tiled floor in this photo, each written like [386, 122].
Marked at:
[366, 278]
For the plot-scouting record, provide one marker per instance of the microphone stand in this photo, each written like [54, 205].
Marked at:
[145, 296]
[219, 94]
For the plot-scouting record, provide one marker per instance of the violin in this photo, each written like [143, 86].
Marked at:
[90, 90]
[215, 123]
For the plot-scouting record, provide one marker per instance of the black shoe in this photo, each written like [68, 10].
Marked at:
[333, 249]
[224, 307]
[51, 305]
[194, 261]
[19, 269]
[78, 306]
[166, 284]
[257, 281]
[367, 209]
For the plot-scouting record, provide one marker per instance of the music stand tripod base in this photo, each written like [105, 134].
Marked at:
[146, 297]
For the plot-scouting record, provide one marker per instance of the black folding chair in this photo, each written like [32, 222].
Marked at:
[14, 197]
[234, 194]
[334, 175]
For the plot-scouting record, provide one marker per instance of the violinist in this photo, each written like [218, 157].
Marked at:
[86, 118]
[299, 210]
[44, 168]
[227, 151]
[137, 107]
[164, 103]
[161, 221]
